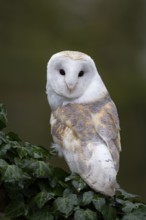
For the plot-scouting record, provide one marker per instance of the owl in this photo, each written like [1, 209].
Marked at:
[84, 120]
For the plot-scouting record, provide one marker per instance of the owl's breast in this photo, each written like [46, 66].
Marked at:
[75, 135]
[74, 118]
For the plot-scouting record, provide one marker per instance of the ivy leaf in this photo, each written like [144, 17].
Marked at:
[137, 214]
[81, 214]
[76, 181]
[99, 203]
[37, 152]
[41, 198]
[131, 216]
[109, 213]
[65, 205]
[126, 195]
[15, 209]
[79, 184]
[3, 164]
[2, 137]
[4, 150]
[13, 136]
[14, 174]
[37, 168]
[41, 169]
[104, 208]
[58, 176]
[67, 192]
[22, 152]
[3, 116]
[87, 197]
[129, 206]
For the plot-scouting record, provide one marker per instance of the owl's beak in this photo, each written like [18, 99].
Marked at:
[70, 82]
[70, 86]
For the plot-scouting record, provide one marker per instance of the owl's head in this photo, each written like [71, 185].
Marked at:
[73, 76]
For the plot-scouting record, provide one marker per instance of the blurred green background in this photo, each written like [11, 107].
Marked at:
[112, 32]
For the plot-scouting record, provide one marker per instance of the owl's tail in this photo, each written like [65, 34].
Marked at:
[101, 174]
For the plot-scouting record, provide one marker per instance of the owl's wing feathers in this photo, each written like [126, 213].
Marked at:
[107, 126]
[87, 136]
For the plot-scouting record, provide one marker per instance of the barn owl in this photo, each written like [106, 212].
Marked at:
[84, 120]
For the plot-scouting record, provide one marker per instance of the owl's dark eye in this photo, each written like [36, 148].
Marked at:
[62, 72]
[81, 73]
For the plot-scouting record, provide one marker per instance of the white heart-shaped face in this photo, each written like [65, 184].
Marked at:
[70, 78]
[70, 75]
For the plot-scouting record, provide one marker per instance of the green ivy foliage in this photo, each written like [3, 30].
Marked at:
[31, 189]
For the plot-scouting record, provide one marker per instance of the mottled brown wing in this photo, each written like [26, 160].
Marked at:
[107, 126]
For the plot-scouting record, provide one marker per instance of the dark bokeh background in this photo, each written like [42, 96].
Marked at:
[112, 32]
